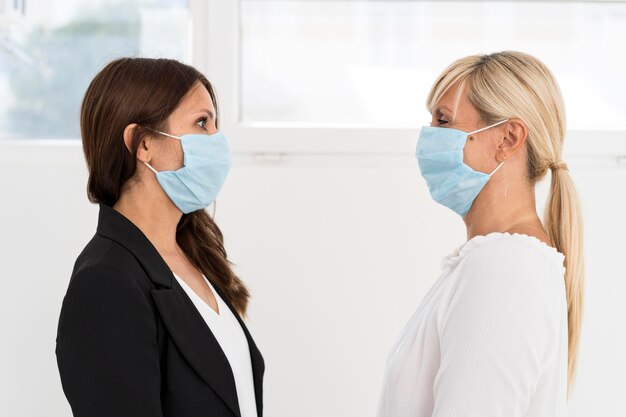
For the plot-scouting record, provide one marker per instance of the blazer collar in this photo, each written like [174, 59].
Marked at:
[113, 225]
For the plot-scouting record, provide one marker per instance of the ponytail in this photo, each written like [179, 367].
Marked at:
[563, 221]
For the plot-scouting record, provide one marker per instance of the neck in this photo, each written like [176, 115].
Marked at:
[492, 211]
[153, 213]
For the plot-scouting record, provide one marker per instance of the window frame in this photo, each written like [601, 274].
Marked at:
[222, 66]
[215, 37]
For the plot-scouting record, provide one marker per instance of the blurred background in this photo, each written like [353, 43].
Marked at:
[324, 213]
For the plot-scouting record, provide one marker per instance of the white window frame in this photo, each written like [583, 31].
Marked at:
[216, 52]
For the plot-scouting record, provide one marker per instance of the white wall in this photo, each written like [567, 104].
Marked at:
[337, 250]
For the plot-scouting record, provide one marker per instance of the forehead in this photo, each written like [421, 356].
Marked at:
[454, 102]
[196, 99]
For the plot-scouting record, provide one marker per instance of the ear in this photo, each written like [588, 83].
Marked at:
[514, 138]
[143, 153]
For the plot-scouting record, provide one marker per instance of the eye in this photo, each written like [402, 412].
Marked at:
[442, 121]
[202, 122]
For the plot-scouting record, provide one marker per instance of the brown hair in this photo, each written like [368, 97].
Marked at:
[146, 91]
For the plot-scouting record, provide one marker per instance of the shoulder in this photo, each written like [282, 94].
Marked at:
[513, 261]
[101, 296]
[105, 252]
[511, 252]
[105, 273]
[105, 261]
[510, 277]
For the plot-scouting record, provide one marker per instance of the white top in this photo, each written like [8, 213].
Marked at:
[489, 339]
[233, 342]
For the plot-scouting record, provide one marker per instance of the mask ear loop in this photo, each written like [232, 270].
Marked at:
[149, 166]
[488, 127]
[497, 168]
[161, 133]
[506, 182]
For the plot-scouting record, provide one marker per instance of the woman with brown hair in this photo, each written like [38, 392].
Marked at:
[151, 322]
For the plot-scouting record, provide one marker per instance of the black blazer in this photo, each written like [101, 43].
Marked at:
[130, 342]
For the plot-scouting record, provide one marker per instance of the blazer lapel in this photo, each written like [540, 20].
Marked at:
[188, 329]
[197, 343]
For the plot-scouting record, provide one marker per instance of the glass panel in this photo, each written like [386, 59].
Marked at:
[50, 51]
[372, 62]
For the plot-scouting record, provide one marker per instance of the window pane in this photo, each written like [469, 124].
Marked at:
[373, 62]
[50, 51]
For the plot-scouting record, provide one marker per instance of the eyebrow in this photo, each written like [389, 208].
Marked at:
[209, 112]
[440, 108]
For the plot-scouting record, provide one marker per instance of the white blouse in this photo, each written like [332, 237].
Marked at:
[489, 339]
[229, 334]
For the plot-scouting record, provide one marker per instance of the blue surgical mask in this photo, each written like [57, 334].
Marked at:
[206, 164]
[450, 181]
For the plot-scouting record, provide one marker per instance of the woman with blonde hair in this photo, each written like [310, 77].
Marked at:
[498, 333]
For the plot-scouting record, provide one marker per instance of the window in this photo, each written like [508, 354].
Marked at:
[50, 51]
[314, 76]
[371, 62]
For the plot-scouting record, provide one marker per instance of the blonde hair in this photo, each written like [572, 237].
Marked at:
[508, 85]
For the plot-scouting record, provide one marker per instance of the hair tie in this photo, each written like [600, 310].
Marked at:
[555, 166]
